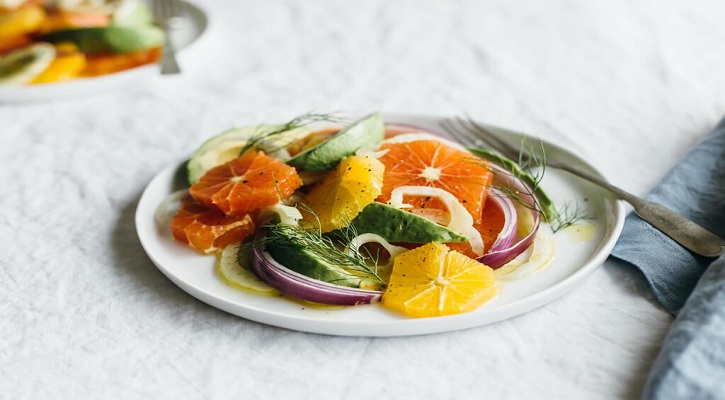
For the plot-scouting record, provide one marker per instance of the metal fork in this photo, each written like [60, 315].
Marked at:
[167, 15]
[685, 232]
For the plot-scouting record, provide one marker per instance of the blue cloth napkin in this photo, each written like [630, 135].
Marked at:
[695, 188]
[691, 364]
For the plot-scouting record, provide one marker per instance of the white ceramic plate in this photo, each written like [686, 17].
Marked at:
[574, 260]
[192, 24]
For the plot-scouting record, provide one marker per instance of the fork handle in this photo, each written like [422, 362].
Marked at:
[169, 65]
[683, 231]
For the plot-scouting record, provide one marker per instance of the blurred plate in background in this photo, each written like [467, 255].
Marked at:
[193, 23]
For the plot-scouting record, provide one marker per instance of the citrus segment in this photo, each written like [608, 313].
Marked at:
[208, 231]
[344, 192]
[431, 281]
[102, 64]
[23, 21]
[68, 64]
[489, 226]
[245, 184]
[435, 164]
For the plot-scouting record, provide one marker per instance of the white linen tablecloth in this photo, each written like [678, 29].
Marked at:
[631, 86]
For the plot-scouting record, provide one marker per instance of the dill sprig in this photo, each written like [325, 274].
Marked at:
[334, 250]
[531, 168]
[568, 215]
[263, 139]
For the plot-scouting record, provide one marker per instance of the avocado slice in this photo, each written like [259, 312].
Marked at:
[109, 39]
[399, 226]
[367, 131]
[293, 254]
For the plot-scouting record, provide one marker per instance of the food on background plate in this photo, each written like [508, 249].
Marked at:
[55, 41]
[345, 213]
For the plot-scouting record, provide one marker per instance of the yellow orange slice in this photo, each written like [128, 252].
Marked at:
[345, 191]
[432, 280]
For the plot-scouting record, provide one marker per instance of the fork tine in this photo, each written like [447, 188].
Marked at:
[494, 141]
[463, 136]
[466, 131]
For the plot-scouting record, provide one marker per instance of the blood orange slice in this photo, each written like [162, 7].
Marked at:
[435, 164]
[208, 231]
[250, 182]
[489, 226]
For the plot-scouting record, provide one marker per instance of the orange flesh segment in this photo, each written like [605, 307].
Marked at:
[68, 64]
[13, 42]
[109, 63]
[208, 231]
[432, 163]
[431, 281]
[21, 22]
[247, 183]
[58, 20]
[489, 226]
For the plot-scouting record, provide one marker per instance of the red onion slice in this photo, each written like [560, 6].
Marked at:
[302, 287]
[507, 236]
[498, 257]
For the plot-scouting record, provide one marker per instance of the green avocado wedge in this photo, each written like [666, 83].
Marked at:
[110, 39]
[367, 131]
[399, 226]
[293, 254]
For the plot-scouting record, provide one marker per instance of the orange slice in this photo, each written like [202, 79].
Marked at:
[344, 192]
[20, 22]
[431, 281]
[247, 183]
[490, 225]
[103, 64]
[208, 231]
[433, 163]
[67, 64]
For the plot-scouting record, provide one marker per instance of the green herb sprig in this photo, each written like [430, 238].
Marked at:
[330, 249]
[262, 139]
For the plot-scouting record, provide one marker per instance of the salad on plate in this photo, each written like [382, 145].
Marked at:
[49, 41]
[331, 211]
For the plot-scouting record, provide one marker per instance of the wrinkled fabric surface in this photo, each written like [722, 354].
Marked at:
[694, 188]
[692, 362]
[629, 86]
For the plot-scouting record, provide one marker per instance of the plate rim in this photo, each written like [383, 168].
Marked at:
[411, 326]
